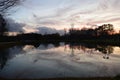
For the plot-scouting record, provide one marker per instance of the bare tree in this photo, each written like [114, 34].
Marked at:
[7, 4]
[4, 6]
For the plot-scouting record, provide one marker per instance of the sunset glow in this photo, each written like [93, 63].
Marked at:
[60, 14]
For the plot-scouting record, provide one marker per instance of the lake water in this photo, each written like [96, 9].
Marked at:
[59, 60]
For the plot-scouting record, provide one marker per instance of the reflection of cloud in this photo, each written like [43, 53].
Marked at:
[28, 47]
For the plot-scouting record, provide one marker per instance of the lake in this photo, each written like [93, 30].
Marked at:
[59, 60]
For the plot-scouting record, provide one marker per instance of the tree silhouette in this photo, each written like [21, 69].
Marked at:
[105, 29]
[4, 6]
[2, 25]
[107, 50]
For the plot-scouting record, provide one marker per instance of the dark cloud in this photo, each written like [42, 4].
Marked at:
[13, 26]
[47, 30]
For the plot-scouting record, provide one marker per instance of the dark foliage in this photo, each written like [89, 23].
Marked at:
[2, 25]
[85, 35]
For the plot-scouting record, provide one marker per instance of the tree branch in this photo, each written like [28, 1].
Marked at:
[6, 4]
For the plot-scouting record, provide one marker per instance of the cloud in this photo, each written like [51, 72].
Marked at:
[106, 21]
[109, 5]
[107, 11]
[13, 26]
[58, 13]
[54, 19]
[50, 22]
[47, 30]
[79, 12]
[29, 29]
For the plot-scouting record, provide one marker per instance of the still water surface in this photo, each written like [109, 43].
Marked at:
[59, 60]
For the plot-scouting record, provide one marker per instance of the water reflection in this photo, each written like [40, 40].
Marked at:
[107, 50]
[3, 58]
[8, 53]
[70, 58]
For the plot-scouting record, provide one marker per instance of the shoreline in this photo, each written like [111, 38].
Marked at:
[104, 42]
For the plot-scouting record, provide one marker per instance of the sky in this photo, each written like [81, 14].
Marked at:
[60, 14]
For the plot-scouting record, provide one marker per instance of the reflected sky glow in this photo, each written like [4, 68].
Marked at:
[48, 61]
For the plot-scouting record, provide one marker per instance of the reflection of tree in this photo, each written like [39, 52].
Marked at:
[83, 48]
[78, 47]
[45, 45]
[72, 50]
[56, 44]
[110, 49]
[36, 45]
[107, 50]
[7, 53]
[3, 58]
[73, 55]
[73, 47]
[66, 47]
[4, 6]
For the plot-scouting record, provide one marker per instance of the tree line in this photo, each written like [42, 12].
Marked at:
[104, 33]
[97, 35]
[5, 5]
